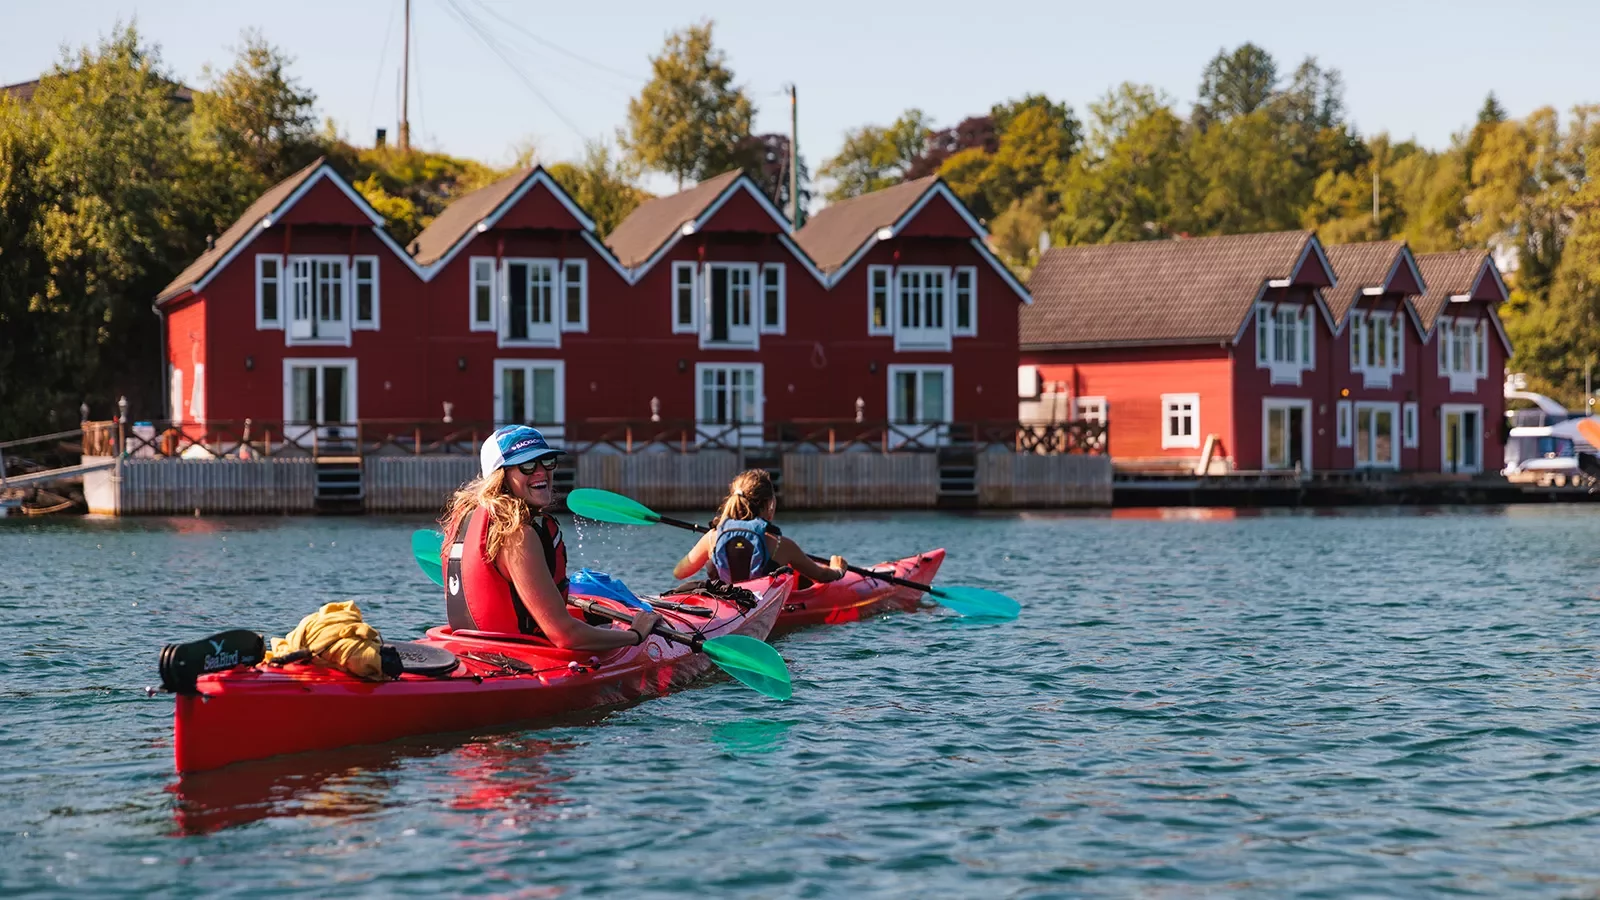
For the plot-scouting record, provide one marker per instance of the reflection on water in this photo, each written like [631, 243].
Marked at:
[484, 775]
[751, 736]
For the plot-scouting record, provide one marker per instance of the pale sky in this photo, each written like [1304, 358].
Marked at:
[1411, 67]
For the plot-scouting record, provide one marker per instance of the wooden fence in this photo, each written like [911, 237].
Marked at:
[860, 480]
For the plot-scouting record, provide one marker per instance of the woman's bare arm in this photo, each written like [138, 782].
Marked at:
[789, 553]
[523, 560]
[695, 559]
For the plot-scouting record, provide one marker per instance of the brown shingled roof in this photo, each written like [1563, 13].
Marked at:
[23, 91]
[239, 230]
[1447, 274]
[462, 215]
[1359, 266]
[1154, 292]
[654, 223]
[838, 231]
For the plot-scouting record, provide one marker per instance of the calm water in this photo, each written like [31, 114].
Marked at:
[1369, 704]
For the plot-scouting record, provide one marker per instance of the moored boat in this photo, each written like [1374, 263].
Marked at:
[857, 596]
[469, 681]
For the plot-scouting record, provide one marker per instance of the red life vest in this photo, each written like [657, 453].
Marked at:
[477, 596]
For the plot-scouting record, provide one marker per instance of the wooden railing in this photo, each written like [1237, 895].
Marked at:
[393, 437]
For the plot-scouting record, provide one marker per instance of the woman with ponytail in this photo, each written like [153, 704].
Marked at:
[744, 544]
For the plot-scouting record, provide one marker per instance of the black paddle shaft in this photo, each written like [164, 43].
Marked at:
[670, 634]
[903, 582]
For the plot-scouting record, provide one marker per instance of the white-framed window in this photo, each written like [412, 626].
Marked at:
[1377, 435]
[1286, 340]
[574, 295]
[1180, 420]
[1461, 437]
[1377, 347]
[175, 395]
[1091, 409]
[685, 290]
[1463, 351]
[269, 291]
[922, 314]
[318, 393]
[318, 311]
[728, 314]
[1342, 425]
[964, 293]
[728, 401]
[529, 311]
[880, 297]
[364, 292]
[531, 392]
[482, 299]
[772, 298]
[1286, 433]
[1408, 425]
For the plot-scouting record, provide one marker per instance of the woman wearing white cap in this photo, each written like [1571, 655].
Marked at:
[506, 566]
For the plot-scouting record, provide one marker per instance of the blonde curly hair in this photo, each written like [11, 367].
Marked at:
[507, 513]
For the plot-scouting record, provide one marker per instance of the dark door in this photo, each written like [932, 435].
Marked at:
[719, 304]
[1297, 437]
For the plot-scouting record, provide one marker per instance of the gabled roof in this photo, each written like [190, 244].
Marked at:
[482, 208]
[232, 239]
[23, 91]
[834, 235]
[1456, 274]
[1163, 292]
[842, 233]
[1369, 267]
[655, 222]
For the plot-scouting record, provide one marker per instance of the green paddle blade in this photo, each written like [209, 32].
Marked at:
[604, 506]
[752, 663]
[977, 602]
[425, 546]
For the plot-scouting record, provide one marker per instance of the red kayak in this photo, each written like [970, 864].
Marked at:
[254, 712]
[855, 597]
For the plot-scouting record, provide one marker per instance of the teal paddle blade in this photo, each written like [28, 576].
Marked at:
[977, 602]
[605, 506]
[752, 663]
[425, 546]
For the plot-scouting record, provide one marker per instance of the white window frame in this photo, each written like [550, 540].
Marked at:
[1463, 352]
[1270, 322]
[541, 335]
[887, 290]
[782, 287]
[474, 270]
[554, 432]
[564, 283]
[341, 329]
[922, 337]
[356, 322]
[746, 337]
[919, 430]
[749, 430]
[320, 363]
[1362, 329]
[971, 292]
[679, 324]
[1408, 426]
[1445, 411]
[1171, 404]
[1372, 408]
[1268, 404]
[1091, 409]
[279, 281]
[1344, 424]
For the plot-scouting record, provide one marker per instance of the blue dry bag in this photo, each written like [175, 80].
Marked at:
[590, 583]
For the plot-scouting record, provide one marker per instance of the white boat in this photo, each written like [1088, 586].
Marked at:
[1543, 443]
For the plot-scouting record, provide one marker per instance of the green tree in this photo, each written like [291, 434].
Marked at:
[970, 174]
[1235, 84]
[691, 119]
[874, 157]
[1124, 185]
[601, 184]
[255, 116]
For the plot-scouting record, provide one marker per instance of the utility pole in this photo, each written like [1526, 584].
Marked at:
[1374, 194]
[794, 156]
[405, 87]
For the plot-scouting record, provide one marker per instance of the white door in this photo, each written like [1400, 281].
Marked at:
[1286, 434]
[319, 394]
[730, 306]
[919, 405]
[728, 405]
[1462, 438]
[301, 314]
[529, 306]
[532, 393]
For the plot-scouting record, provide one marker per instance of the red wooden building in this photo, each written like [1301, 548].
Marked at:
[700, 307]
[1265, 352]
[1212, 351]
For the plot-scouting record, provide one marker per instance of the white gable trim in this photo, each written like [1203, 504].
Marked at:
[539, 176]
[694, 225]
[1488, 264]
[1320, 301]
[1322, 258]
[1000, 267]
[605, 253]
[937, 189]
[1411, 263]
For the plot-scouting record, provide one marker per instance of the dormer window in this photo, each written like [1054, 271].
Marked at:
[1463, 351]
[1285, 340]
[1377, 347]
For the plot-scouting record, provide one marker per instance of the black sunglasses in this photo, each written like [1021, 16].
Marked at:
[548, 463]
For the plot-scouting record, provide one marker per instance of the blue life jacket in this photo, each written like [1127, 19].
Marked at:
[741, 552]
